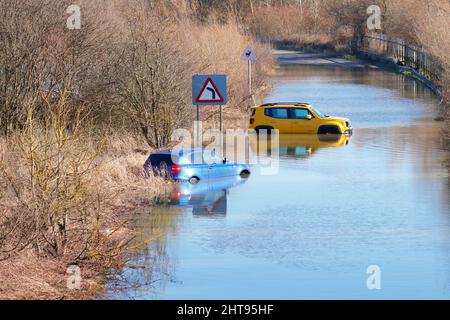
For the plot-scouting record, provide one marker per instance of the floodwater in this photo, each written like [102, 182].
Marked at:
[335, 207]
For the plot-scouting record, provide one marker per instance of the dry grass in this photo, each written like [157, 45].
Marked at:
[27, 277]
[26, 274]
[217, 49]
[121, 168]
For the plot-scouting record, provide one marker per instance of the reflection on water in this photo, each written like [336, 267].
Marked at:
[336, 206]
[206, 198]
[297, 145]
[352, 81]
[151, 267]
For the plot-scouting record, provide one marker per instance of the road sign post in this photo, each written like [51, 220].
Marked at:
[249, 56]
[197, 136]
[209, 90]
[249, 77]
[221, 130]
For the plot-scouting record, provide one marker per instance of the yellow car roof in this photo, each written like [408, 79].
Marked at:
[285, 104]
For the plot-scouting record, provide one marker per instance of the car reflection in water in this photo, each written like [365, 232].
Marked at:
[207, 198]
[301, 145]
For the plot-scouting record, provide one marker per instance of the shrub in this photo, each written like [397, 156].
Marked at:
[217, 48]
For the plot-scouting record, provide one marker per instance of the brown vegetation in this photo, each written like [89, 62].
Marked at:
[315, 24]
[80, 110]
[433, 32]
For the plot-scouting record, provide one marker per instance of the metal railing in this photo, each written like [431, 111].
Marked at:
[402, 53]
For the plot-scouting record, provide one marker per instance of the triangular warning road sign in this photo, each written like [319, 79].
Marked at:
[248, 55]
[209, 93]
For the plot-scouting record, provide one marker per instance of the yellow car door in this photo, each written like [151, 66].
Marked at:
[302, 121]
[278, 118]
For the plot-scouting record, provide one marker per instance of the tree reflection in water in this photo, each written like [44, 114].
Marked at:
[151, 266]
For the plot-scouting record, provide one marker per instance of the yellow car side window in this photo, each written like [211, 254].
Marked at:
[278, 113]
[299, 113]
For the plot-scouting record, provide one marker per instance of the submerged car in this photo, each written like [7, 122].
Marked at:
[296, 117]
[193, 165]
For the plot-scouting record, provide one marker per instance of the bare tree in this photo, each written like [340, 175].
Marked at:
[24, 31]
[47, 98]
[153, 78]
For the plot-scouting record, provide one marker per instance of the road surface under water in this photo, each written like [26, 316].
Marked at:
[335, 207]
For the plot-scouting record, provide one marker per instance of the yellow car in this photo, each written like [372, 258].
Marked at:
[290, 117]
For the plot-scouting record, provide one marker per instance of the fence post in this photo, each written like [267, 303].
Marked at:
[401, 51]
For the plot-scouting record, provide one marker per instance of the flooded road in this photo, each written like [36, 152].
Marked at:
[336, 206]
